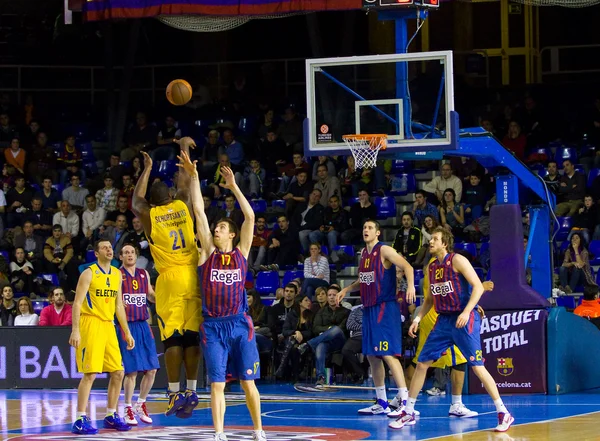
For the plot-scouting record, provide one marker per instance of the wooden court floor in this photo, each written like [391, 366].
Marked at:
[290, 415]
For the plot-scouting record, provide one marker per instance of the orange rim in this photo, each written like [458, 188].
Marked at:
[375, 140]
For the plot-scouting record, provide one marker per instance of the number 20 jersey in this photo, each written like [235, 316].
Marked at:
[172, 237]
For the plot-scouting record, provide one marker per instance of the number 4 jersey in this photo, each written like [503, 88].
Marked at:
[172, 237]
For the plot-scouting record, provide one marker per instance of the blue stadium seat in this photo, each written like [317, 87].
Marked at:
[18, 295]
[6, 256]
[401, 165]
[278, 204]
[595, 252]
[291, 275]
[59, 187]
[403, 184]
[563, 153]
[203, 183]
[541, 150]
[167, 168]
[484, 247]
[267, 282]
[51, 277]
[347, 249]
[469, 247]
[126, 164]
[259, 206]
[587, 150]
[90, 256]
[324, 250]
[352, 201]
[566, 302]
[386, 207]
[202, 127]
[564, 229]
[593, 174]
[247, 125]
[418, 276]
[539, 168]
[480, 272]
[38, 305]
[91, 166]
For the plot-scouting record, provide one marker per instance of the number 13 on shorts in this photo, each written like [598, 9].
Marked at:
[383, 346]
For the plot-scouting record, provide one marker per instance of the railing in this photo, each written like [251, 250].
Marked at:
[555, 61]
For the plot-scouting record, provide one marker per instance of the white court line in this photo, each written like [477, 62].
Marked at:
[349, 417]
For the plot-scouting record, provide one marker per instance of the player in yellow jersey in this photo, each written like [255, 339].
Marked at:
[97, 300]
[453, 358]
[169, 227]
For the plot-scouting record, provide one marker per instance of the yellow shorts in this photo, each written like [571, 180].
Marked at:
[425, 327]
[98, 350]
[178, 302]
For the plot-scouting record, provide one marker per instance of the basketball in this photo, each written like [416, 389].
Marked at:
[179, 92]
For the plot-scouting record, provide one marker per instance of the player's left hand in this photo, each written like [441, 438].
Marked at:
[147, 160]
[480, 311]
[462, 319]
[186, 163]
[186, 141]
[411, 295]
[229, 177]
[412, 331]
[130, 342]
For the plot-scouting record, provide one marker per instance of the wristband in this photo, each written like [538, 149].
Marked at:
[416, 320]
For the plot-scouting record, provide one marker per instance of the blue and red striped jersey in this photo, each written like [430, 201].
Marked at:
[222, 279]
[449, 288]
[377, 284]
[135, 291]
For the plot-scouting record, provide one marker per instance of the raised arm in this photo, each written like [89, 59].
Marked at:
[139, 205]
[247, 233]
[185, 177]
[202, 226]
[394, 257]
[83, 286]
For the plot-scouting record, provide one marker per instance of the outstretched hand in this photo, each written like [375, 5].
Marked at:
[147, 160]
[186, 163]
[229, 178]
[186, 141]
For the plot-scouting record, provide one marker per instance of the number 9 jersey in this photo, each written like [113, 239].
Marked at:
[172, 237]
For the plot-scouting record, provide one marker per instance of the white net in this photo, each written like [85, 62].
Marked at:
[365, 148]
[215, 23]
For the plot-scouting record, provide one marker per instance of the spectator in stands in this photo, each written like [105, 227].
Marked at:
[254, 179]
[258, 250]
[408, 239]
[50, 196]
[350, 178]
[359, 213]
[18, 200]
[167, 149]
[329, 328]
[475, 198]
[589, 307]
[532, 121]
[571, 190]
[258, 313]
[16, 156]
[40, 219]
[75, 194]
[308, 217]
[7, 131]
[213, 212]
[211, 151]
[30, 134]
[233, 213]
[9, 174]
[59, 256]
[127, 187]
[575, 269]
[266, 124]
[335, 220]
[106, 197]
[452, 213]
[290, 130]
[93, 220]
[515, 141]
[32, 244]
[585, 220]
[137, 238]
[329, 185]
[353, 346]
[320, 299]
[422, 208]
[137, 167]
[297, 329]
[59, 313]
[298, 192]
[234, 150]
[316, 271]
[552, 178]
[117, 234]
[26, 315]
[274, 153]
[278, 313]
[122, 209]
[429, 224]
[283, 246]
[8, 307]
[439, 184]
[70, 161]
[289, 172]
[463, 167]
[68, 220]
[115, 169]
[215, 177]
[42, 160]
[22, 273]
[140, 137]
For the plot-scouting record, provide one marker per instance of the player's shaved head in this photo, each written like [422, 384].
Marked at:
[159, 194]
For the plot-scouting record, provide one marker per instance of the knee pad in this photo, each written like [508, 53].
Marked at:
[172, 342]
[460, 367]
[190, 339]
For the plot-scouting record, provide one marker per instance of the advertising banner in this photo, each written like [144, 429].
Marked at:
[41, 358]
[514, 350]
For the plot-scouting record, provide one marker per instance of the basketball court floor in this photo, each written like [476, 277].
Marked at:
[291, 415]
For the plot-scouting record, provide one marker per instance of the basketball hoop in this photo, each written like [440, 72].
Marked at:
[365, 148]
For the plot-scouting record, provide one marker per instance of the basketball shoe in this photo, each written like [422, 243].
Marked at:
[397, 407]
[259, 435]
[176, 402]
[142, 413]
[461, 411]
[129, 416]
[404, 420]
[83, 426]
[380, 407]
[115, 422]
[191, 401]
[505, 420]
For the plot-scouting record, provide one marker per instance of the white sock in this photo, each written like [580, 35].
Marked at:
[80, 414]
[110, 412]
[380, 391]
[456, 399]
[127, 404]
[402, 394]
[173, 387]
[410, 405]
[191, 384]
[500, 408]
[140, 401]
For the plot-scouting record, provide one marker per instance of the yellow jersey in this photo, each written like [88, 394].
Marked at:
[101, 298]
[172, 238]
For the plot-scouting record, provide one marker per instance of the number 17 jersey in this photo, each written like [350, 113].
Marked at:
[172, 237]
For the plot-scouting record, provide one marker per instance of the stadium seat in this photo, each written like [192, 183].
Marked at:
[418, 276]
[541, 150]
[566, 302]
[400, 165]
[347, 249]
[167, 168]
[247, 125]
[126, 164]
[386, 207]
[539, 169]
[563, 153]
[587, 150]
[594, 250]
[291, 275]
[352, 201]
[564, 229]
[203, 183]
[469, 247]
[90, 256]
[259, 206]
[92, 166]
[324, 250]
[38, 305]
[59, 187]
[267, 282]
[480, 272]
[483, 248]
[278, 204]
[403, 184]
[593, 174]
[51, 277]
[6, 256]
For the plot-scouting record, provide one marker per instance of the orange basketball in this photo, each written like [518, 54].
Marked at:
[179, 92]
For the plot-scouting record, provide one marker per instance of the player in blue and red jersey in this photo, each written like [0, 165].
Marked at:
[227, 331]
[136, 291]
[382, 321]
[458, 324]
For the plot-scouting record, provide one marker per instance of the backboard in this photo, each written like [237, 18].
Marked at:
[409, 97]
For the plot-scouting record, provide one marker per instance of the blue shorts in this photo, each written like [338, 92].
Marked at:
[445, 334]
[143, 356]
[382, 330]
[230, 338]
